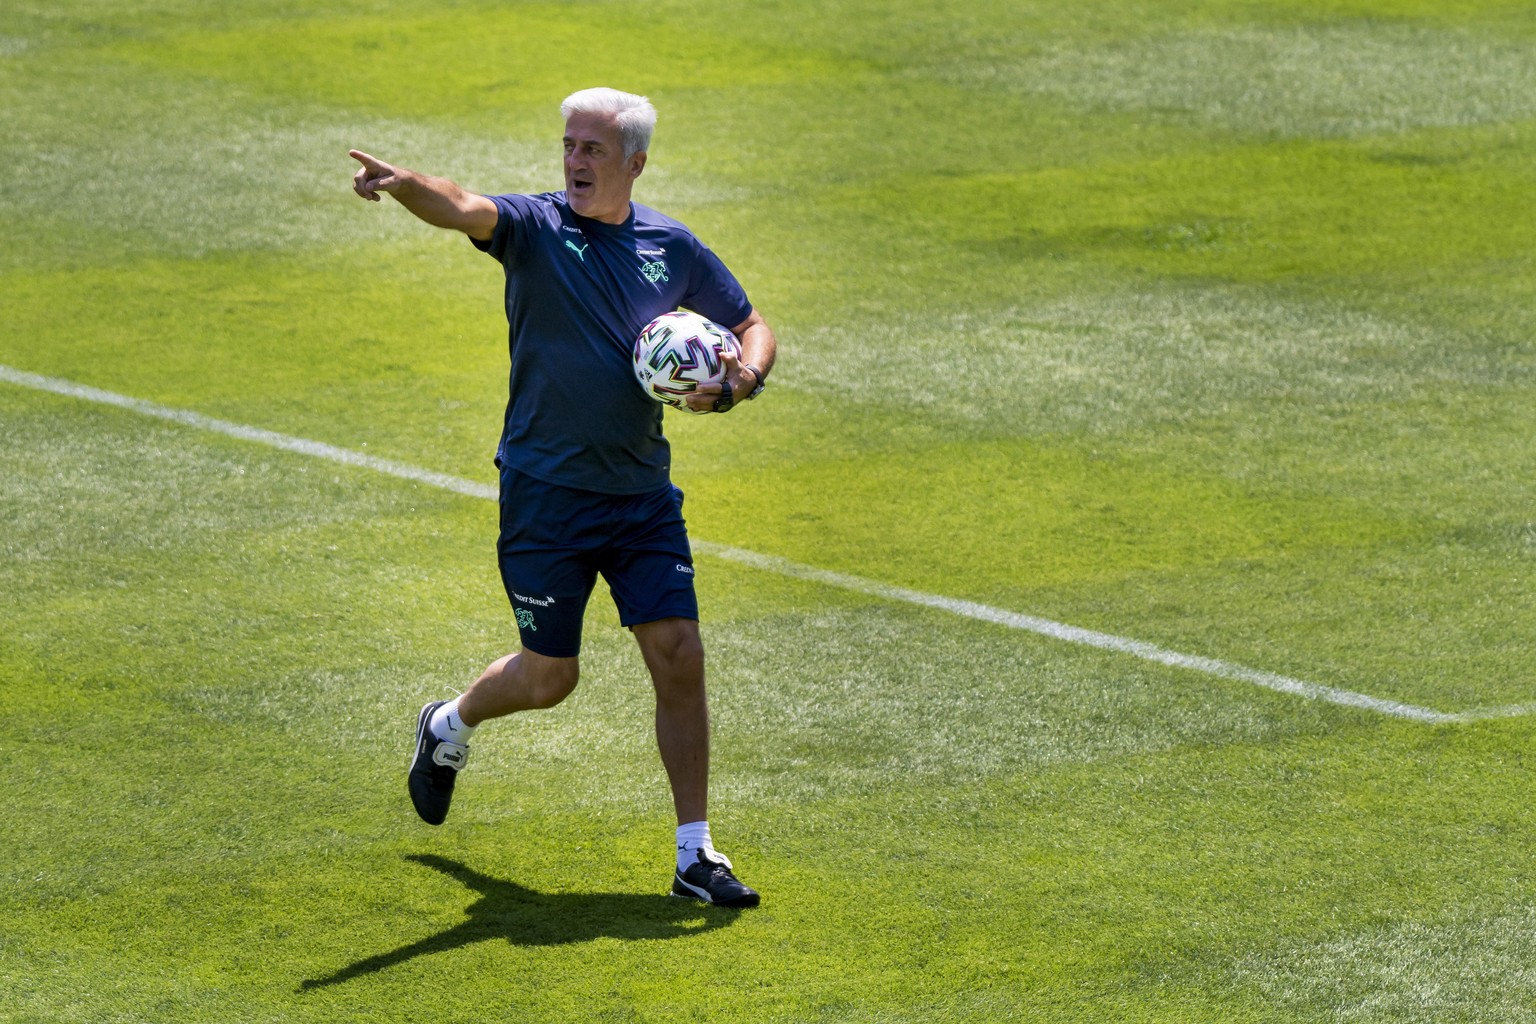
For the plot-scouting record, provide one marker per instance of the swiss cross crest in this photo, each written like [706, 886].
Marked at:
[655, 271]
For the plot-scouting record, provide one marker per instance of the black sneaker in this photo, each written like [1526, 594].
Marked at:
[433, 768]
[710, 880]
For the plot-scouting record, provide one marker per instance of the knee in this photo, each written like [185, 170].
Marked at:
[689, 658]
[550, 680]
[678, 670]
[542, 680]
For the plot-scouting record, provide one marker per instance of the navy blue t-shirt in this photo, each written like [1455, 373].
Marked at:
[578, 293]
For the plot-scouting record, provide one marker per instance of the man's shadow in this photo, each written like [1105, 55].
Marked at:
[523, 917]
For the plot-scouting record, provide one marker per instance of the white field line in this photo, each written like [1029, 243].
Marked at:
[303, 446]
[769, 563]
[1078, 635]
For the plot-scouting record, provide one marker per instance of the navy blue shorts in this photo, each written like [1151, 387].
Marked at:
[555, 541]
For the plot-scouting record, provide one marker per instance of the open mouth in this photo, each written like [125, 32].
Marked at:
[581, 184]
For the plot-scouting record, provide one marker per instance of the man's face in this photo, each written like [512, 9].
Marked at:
[598, 180]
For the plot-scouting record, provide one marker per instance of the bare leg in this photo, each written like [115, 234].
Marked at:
[674, 653]
[518, 682]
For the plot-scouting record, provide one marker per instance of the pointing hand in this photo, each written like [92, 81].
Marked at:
[373, 177]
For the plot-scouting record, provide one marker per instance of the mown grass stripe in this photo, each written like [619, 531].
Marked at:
[769, 563]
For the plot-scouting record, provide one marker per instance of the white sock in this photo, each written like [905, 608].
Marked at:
[447, 725]
[691, 838]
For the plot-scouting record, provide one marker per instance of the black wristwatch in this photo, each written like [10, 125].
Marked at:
[760, 382]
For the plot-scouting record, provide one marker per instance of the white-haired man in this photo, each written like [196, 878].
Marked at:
[585, 469]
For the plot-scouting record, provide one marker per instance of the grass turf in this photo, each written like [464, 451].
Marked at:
[1204, 324]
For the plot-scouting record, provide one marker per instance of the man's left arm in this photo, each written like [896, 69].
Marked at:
[743, 375]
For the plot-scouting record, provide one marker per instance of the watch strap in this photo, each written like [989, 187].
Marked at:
[760, 382]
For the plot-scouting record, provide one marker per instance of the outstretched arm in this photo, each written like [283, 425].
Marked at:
[437, 201]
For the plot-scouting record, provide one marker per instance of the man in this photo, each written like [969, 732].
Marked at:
[585, 484]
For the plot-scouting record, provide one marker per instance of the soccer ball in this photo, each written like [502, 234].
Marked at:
[679, 351]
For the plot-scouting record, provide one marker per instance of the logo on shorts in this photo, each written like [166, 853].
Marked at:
[685, 568]
[525, 620]
[537, 602]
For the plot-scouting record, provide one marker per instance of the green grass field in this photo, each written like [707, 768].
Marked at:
[1203, 325]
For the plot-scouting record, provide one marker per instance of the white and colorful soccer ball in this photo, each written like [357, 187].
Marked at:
[679, 351]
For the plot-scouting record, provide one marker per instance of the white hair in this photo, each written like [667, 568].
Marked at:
[635, 116]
